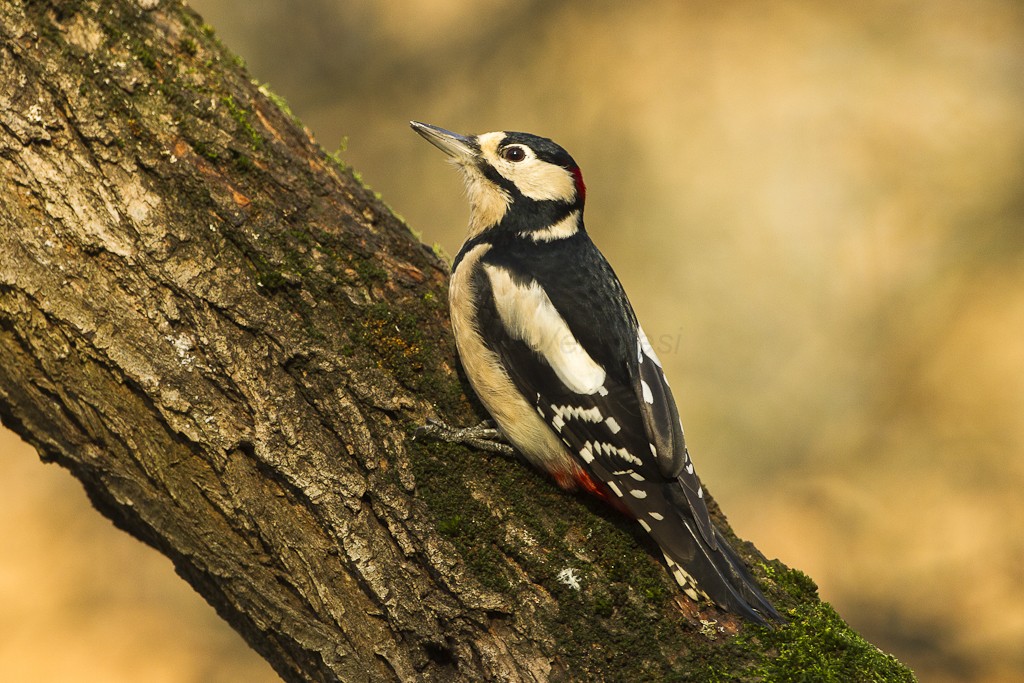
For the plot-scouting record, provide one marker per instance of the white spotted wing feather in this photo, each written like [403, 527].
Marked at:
[599, 385]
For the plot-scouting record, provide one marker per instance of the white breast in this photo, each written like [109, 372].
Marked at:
[516, 418]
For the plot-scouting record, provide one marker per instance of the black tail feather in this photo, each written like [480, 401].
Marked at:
[745, 583]
[718, 574]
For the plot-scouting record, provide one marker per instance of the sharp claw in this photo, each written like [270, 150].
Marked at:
[428, 429]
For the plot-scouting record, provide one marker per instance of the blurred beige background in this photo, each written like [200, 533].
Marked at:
[818, 210]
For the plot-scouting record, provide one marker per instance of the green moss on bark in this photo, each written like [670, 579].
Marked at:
[622, 623]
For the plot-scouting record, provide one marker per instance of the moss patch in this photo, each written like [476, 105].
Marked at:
[396, 337]
[814, 646]
[622, 623]
[461, 519]
[241, 117]
[818, 646]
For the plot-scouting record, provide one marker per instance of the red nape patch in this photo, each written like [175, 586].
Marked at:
[598, 489]
[581, 188]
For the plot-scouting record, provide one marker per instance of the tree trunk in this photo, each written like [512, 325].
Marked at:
[230, 341]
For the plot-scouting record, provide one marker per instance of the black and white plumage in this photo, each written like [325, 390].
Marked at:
[552, 347]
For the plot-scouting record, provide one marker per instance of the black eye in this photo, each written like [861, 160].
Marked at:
[513, 153]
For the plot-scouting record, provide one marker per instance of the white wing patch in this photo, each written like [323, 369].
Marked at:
[528, 315]
[648, 395]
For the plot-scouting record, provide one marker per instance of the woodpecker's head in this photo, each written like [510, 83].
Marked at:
[518, 182]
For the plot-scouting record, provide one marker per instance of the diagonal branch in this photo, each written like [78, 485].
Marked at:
[230, 342]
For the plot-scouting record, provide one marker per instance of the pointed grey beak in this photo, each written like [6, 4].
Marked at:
[452, 144]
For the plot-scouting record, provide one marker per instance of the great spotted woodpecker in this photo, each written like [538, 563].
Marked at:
[553, 349]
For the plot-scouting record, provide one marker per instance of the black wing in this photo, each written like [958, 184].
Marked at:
[625, 433]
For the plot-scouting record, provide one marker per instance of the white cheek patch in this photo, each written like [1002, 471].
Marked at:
[536, 179]
[540, 180]
[528, 315]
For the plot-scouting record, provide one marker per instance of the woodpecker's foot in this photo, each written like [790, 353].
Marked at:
[484, 436]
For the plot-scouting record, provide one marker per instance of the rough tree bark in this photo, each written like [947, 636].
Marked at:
[230, 341]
